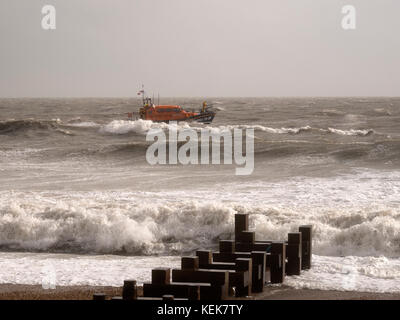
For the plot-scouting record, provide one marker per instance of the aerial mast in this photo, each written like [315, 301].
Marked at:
[142, 92]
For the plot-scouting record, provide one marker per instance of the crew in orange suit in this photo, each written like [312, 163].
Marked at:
[204, 106]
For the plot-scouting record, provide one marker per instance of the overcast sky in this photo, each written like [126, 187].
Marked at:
[199, 48]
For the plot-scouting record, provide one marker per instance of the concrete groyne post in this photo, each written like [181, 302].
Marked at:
[193, 293]
[306, 251]
[293, 253]
[227, 246]
[190, 263]
[241, 224]
[247, 237]
[129, 290]
[205, 258]
[161, 276]
[258, 272]
[99, 296]
[245, 265]
[278, 261]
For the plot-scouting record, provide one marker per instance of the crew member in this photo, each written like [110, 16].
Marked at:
[204, 106]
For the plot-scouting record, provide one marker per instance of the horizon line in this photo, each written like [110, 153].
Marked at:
[193, 97]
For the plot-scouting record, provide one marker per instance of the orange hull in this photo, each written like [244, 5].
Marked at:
[166, 113]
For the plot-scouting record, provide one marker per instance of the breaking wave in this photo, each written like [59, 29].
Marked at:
[264, 129]
[15, 126]
[85, 124]
[133, 223]
[143, 126]
[121, 127]
[351, 132]
[138, 126]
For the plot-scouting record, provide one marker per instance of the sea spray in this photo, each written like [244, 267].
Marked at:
[148, 223]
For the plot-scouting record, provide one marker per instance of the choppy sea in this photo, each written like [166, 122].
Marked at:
[77, 195]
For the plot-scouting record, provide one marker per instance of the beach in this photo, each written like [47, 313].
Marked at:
[29, 292]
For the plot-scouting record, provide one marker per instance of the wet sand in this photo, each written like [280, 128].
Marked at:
[36, 292]
[287, 293]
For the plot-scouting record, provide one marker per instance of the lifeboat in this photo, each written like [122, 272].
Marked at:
[167, 113]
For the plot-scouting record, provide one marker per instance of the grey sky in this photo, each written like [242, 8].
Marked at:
[200, 48]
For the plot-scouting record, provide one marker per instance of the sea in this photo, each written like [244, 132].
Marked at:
[78, 198]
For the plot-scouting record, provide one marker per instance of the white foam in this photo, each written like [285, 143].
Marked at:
[86, 124]
[351, 273]
[100, 222]
[363, 274]
[355, 217]
[137, 126]
[351, 132]
[261, 128]
[352, 215]
[75, 270]
[143, 126]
